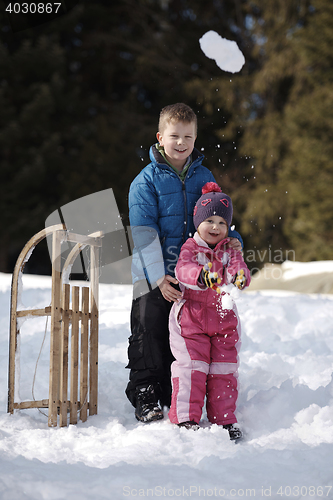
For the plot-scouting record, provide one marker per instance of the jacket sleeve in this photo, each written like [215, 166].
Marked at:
[234, 234]
[143, 213]
[237, 263]
[187, 268]
[143, 203]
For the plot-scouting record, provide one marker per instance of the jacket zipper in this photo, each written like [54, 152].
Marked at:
[185, 205]
[185, 202]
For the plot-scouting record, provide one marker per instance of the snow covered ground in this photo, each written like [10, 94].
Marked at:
[285, 408]
[304, 277]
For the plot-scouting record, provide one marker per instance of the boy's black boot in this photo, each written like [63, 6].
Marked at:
[147, 406]
[234, 431]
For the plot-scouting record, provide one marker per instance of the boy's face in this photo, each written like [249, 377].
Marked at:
[178, 139]
[213, 230]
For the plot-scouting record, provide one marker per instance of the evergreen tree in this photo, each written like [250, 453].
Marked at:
[289, 205]
[308, 169]
[277, 111]
[81, 97]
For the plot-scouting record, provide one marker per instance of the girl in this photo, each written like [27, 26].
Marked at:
[204, 324]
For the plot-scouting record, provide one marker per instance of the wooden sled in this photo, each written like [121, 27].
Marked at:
[67, 314]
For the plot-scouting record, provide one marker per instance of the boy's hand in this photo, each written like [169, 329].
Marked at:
[168, 291]
[210, 279]
[240, 279]
[235, 244]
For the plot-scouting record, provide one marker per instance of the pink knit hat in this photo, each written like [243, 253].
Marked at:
[212, 202]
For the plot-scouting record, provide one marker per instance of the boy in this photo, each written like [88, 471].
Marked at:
[161, 201]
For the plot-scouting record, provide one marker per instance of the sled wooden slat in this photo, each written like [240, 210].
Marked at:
[43, 312]
[74, 355]
[85, 240]
[44, 403]
[93, 381]
[54, 384]
[64, 356]
[34, 312]
[79, 374]
[84, 355]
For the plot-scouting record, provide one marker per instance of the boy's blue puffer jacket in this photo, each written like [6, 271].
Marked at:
[161, 214]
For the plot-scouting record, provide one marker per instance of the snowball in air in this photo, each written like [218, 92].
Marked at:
[225, 52]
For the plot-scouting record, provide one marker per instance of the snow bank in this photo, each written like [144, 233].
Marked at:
[304, 277]
[292, 270]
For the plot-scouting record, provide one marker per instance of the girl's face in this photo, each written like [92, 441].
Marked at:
[213, 230]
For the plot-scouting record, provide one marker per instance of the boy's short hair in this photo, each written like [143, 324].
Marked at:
[178, 112]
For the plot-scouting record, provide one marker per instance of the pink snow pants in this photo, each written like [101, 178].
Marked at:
[205, 345]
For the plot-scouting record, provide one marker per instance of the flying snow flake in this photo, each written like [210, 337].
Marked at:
[225, 52]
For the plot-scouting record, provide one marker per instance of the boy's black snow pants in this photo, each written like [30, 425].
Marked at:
[149, 351]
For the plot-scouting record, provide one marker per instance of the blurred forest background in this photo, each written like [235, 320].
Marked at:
[80, 97]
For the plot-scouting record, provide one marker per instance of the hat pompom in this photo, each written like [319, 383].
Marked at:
[211, 187]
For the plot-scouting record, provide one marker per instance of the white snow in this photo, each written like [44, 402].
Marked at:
[292, 270]
[225, 53]
[285, 408]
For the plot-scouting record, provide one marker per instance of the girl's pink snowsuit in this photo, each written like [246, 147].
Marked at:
[204, 338]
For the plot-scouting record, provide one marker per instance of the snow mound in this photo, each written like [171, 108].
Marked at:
[304, 277]
[292, 270]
